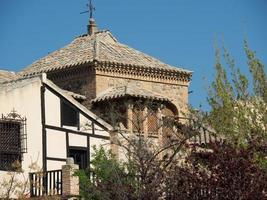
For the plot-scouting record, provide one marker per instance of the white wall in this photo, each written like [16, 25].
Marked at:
[54, 165]
[52, 109]
[24, 97]
[77, 140]
[56, 144]
[85, 124]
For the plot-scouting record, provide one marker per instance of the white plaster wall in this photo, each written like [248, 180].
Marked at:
[56, 144]
[54, 165]
[52, 109]
[24, 97]
[77, 140]
[101, 131]
[85, 124]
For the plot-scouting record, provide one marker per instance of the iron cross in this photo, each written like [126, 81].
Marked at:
[91, 9]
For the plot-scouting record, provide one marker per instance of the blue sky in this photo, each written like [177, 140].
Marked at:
[179, 32]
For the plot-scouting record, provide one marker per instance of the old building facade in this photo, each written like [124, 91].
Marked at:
[78, 96]
[97, 66]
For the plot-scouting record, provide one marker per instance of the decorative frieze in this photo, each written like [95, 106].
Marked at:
[142, 72]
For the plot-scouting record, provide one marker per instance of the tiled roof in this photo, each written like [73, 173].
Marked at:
[7, 76]
[129, 90]
[102, 47]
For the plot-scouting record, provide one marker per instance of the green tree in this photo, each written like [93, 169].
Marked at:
[238, 107]
[107, 178]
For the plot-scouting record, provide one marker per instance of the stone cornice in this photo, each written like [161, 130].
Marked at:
[128, 71]
[149, 73]
[75, 71]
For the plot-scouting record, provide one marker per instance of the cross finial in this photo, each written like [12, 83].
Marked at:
[91, 27]
[91, 8]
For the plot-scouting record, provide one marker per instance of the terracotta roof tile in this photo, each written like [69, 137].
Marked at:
[102, 47]
[7, 76]
[129, 90]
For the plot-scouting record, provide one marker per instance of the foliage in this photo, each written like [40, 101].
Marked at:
[238, 112]
[228, 173]
[110, 178]
[107, 178]
[225, 173]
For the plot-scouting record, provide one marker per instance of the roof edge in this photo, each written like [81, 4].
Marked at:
[180, 74]
[95, 62]
[74, 102]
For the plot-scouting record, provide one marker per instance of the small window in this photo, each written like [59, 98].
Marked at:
[69, 116]
[12, 141]
[80, 156]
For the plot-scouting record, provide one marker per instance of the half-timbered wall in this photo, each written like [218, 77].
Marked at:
[60, 138]
[49, 141]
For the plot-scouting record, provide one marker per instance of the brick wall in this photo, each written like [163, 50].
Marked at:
[86, 81]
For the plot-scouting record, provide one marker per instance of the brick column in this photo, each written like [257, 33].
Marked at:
[70, 183]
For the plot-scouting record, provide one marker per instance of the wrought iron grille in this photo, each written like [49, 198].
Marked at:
[10, 161]
[153, 122]
[13, 140]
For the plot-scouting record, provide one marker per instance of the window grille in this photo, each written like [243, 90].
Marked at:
[168, 126]
[13, 139]
[153, 122]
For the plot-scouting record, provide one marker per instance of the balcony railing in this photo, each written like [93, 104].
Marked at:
[46, 183]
